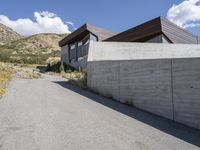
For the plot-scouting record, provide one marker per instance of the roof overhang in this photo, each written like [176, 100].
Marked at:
[81, 32]
[139, 33]
[152, 28]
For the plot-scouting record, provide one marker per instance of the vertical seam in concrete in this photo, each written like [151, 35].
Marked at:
[119, 81]
[172, 89]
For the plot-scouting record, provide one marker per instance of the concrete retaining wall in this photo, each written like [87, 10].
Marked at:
[186, 91]
[169, 87]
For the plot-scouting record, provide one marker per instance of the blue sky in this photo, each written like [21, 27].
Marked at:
[115, 15]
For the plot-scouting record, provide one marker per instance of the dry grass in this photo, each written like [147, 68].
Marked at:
[6, 73]
[73, 75]
[77, 78]
[27, 74]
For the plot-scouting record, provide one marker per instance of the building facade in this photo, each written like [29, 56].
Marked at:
[74, 47]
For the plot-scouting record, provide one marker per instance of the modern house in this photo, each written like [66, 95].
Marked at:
[74, 47]
[154, 67]
[159, 30]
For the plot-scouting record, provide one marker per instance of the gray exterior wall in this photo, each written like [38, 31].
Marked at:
[64, 54]
[158, 39]
[145, 84]
[77, 57]
[186, 91]
[81, 51]
[163, 79]
[81, 63]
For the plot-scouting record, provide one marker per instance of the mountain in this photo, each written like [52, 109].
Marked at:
[7, 35]
[35, 49]
[37, 44]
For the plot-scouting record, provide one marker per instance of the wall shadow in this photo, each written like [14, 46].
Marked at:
[178, 130]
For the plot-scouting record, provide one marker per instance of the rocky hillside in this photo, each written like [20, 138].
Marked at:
[35, 49]
[7, 35]
[37, 44]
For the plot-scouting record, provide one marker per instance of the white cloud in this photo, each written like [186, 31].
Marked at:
[45, 22]
[185, 14]
[71, 24]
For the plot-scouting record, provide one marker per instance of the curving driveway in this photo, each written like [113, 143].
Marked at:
[48, 114]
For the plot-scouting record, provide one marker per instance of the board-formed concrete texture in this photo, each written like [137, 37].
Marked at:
[147, 85]
[186, 89]
[105, 79]
[163, 79]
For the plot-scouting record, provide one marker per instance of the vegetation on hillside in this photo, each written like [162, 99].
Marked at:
[8, 54]
[35, 49]
[7, 35]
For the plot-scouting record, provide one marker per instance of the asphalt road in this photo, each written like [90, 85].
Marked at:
[48, 114]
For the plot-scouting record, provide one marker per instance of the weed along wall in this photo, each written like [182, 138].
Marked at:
[163, 79]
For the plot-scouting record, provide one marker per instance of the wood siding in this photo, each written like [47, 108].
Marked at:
[140, 33]
[153, 28]
[177, 34]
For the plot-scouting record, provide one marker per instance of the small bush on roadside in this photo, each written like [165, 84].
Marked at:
[68, 71]
[34, 75]
[54, 64]
[62, 68]
[77, 78]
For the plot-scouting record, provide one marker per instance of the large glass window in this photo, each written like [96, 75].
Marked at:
[78, 49]
[72, 46]
[93, 38]
[80, 43]
[72, 52]
[86, 39]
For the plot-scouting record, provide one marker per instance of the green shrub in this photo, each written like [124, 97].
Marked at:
[62, 68]
[8, 54]
[54, 64]
[54, 67]
[82, 83]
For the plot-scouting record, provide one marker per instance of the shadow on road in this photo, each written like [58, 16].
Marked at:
[178, 130]
[42, 69]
